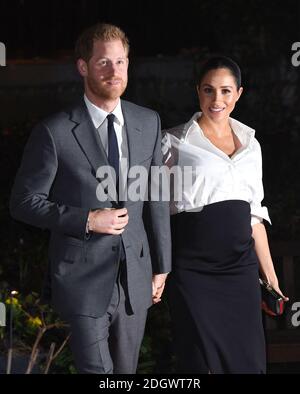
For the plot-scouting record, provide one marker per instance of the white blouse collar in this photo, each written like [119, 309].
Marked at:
[243, 132]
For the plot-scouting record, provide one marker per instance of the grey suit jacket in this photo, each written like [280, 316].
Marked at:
[55, 188]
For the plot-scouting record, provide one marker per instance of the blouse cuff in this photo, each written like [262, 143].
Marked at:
[255, 220]
[258, 214]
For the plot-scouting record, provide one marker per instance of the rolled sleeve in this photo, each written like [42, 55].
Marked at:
[258, 212]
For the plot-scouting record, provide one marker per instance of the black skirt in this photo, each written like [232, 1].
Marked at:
[213, 291]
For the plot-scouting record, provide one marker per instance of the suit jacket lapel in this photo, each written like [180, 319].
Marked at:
[134, 140]
[90, 142]
[134, 135]
[88, 138]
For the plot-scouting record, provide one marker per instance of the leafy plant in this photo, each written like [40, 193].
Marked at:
[29, 322]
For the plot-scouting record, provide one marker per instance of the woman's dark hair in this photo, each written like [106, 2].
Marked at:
[216, 62]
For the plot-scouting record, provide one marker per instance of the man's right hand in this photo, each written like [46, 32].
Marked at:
[108, 221]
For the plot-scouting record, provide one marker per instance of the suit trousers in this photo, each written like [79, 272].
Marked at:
[109, 344]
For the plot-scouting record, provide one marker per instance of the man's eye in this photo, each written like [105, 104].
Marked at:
[121, 62]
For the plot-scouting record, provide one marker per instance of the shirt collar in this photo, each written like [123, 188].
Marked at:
[98, 115]
[243, 132]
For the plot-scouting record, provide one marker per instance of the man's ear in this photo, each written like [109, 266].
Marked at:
[82, 67]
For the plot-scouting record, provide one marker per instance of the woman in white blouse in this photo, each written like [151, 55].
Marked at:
[219, 239]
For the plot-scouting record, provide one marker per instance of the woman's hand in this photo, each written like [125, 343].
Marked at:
[275, 285]
[264, 256]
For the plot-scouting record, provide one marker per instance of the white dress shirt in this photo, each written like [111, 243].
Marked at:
[216, 176]
[99, 118]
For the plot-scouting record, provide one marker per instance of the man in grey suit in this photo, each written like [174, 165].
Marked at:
[103, 279]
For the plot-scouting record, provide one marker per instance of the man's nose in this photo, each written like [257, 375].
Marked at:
[112, 68]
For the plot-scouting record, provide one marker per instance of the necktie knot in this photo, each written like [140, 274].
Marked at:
[110, 121]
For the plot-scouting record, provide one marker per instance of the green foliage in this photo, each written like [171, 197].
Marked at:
[34, 326]
[64, 363]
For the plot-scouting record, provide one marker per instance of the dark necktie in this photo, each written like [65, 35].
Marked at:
[113, 160]
[113, 150]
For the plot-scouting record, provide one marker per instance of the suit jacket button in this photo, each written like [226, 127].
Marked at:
[114, 248]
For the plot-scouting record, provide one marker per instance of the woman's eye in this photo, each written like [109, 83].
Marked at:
[207, 90]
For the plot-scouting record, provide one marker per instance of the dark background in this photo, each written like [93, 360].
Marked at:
[168, 42]
[44, 28]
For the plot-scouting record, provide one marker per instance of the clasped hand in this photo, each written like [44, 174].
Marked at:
[108, 221]
[114, 221]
